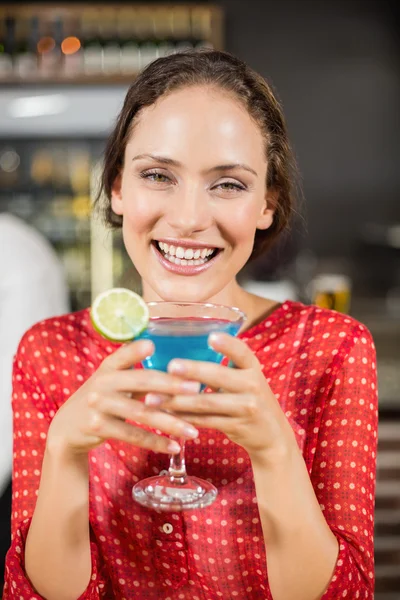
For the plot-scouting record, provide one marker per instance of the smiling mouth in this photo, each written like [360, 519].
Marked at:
[191, 257]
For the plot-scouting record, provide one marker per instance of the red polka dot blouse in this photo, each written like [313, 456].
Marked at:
[320, 366]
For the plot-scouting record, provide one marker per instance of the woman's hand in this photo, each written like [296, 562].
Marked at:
[101, 407]
[242, 405]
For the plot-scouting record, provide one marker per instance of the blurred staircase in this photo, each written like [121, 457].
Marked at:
[387, 512]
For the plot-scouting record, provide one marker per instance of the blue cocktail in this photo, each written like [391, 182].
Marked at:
[181, 330]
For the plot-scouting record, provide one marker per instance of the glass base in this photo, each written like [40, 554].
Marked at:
[161, 493]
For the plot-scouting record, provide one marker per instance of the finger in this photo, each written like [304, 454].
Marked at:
[212, 375]
[133, 410]
[228, 405]
[108, 427]
[227, 425]
[129, 354]
[234, 348]
[156, 399]
[140, 381]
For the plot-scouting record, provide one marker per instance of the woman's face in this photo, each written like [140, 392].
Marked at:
[192, 194]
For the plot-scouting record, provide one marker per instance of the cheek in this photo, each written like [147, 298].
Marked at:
[139, 211]
[240, 222]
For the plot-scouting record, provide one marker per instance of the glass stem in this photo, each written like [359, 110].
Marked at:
[177, 467]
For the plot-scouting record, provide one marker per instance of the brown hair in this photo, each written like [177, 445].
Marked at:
[230, 74]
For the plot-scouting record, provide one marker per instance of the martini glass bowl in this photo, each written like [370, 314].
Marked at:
[181, 330]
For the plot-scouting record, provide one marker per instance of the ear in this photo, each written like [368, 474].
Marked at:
[116, 196]
[266, 217]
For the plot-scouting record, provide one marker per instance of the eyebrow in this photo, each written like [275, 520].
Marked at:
[170, 161]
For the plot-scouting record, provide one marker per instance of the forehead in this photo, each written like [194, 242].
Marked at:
[199, 123]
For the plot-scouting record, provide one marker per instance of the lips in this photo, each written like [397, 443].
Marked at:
[184, 259]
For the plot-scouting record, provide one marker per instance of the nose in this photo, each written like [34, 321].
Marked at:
[189, 211]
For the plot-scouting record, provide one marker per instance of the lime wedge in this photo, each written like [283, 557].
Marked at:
[119, 314]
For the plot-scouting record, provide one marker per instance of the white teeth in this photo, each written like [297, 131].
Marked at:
[180, 256]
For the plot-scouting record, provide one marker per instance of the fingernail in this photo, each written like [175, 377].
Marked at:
[214, 338]
[176, 367]
[190, 386]
[173, 447]
[147, 344]
[190, 431]
[152, 400]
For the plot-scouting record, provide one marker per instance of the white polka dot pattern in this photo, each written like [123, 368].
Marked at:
[321, 367]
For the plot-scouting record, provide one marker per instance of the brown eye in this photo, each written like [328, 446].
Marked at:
[227, 185]
[155, 176]
[230, 186]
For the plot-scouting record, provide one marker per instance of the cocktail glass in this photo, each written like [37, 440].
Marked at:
[181, 330]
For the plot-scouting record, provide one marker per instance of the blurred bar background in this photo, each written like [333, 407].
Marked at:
[64, 71]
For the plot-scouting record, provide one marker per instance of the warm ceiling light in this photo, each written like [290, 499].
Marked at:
[38, 106]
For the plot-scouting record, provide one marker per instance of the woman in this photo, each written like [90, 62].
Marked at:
[199, 160]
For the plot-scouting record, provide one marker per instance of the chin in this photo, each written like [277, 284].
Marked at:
[182, 292]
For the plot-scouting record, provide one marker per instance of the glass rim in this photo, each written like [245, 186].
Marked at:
[236, 310]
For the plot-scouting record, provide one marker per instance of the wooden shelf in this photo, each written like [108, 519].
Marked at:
[76, 80]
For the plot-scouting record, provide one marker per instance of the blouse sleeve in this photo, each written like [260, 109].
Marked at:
[32, 414]
[344, 469]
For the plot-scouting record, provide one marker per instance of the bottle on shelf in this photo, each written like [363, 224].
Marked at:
[130, 50]
[49, 47]
[110, 42]
[41, 168]
[163, 28]
[91, 43]
[145, 31]
[7, 45]
[79, 168]
[76, 260]
[181, 28]
[60, 173]
[71, 48]
[201, 26]
[25, 60]
[79, 165]
[61, 207]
